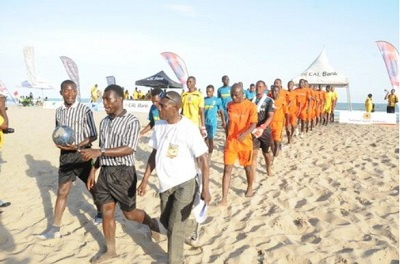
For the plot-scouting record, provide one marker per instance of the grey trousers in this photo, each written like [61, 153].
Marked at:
[176, 206]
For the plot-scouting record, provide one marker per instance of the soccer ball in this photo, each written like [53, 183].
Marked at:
[63, 135]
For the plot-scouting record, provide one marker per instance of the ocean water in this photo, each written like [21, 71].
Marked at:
[360, 107]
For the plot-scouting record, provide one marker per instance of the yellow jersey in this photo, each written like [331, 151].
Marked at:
[191, 104]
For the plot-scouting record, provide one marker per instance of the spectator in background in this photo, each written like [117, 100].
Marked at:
[368, 104]
[212, 108]
[334, 102]
[392, 101]
[153, 114]
[135, 94]
[224, 93]
[251, 92]
[126, 95]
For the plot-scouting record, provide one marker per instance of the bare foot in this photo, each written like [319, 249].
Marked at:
[223, 202]
[249, 192]
[104, 257]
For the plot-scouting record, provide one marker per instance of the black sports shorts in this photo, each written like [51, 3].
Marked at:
[117, 184]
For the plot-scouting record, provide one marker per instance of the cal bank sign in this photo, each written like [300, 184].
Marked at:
[137, 106]
[320, 74]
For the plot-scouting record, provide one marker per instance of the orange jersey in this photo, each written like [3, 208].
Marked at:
[284, 94]
[280, 106]
[241, 115]
[291, 99]
[303, 95]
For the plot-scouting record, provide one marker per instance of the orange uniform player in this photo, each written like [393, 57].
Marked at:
[278, 120]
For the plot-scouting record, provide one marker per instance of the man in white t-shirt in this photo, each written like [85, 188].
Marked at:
[176, 143]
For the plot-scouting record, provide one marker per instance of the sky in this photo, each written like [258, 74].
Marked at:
[246, 40]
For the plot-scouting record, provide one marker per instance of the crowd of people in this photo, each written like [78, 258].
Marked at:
[184, 127]
[96, 94]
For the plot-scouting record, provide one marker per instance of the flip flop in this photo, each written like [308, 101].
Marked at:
[4, 204]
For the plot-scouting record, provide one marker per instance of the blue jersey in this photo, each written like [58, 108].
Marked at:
[211, 107]
[250, 95]
[224, 93]
[153, 115]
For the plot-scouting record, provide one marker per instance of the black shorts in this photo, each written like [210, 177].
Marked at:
[390, 109]
[71, 166]
[263, 142]
[117, 184]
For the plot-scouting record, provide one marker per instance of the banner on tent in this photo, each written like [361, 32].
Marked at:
[129, 105]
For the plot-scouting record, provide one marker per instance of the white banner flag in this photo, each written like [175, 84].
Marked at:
[72, 71]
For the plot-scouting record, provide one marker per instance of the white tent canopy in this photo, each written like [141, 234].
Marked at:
[322, 72]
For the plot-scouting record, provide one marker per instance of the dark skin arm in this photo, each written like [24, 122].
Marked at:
[3, 113]
[85, 142]
[88, 154]
[146, 129]
[151, 164]
[205, 172]
[244, 134]
[221, 114]
[267, 122]
[226, 130]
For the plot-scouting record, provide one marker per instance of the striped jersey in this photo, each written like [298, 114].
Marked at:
[117, 132]
[79, 117]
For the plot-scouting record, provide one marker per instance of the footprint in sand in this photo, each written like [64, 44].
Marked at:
[300, 203]
[324, 197]
[363, 201]
[310, 238]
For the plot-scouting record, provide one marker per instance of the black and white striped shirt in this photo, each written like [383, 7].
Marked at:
[118, 132]
[79, 117]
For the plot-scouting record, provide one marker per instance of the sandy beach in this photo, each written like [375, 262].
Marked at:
[333, 198]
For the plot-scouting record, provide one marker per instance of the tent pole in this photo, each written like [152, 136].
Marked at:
[348, 99]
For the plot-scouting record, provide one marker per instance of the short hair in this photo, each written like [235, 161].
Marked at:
[261, 81]
[68, 82]
[237, 85]
[192, 77]
[210, 86]
[116, 88]
[174, 97]
[369, 95]
[156, 91]
[225, 76]
[252, 85]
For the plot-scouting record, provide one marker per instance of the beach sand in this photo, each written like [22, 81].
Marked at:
[334, 198]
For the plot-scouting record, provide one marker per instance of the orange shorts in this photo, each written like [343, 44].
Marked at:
[293, 119]
[318, 112]
[245, 157]
[276, 131]
[303, 114]
[311, 115]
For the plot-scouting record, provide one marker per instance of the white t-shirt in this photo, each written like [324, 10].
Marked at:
[177, 147]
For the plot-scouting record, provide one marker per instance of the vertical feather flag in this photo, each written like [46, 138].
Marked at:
[390, 57]
[4, 91]
[178, 66]
[72, 71]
